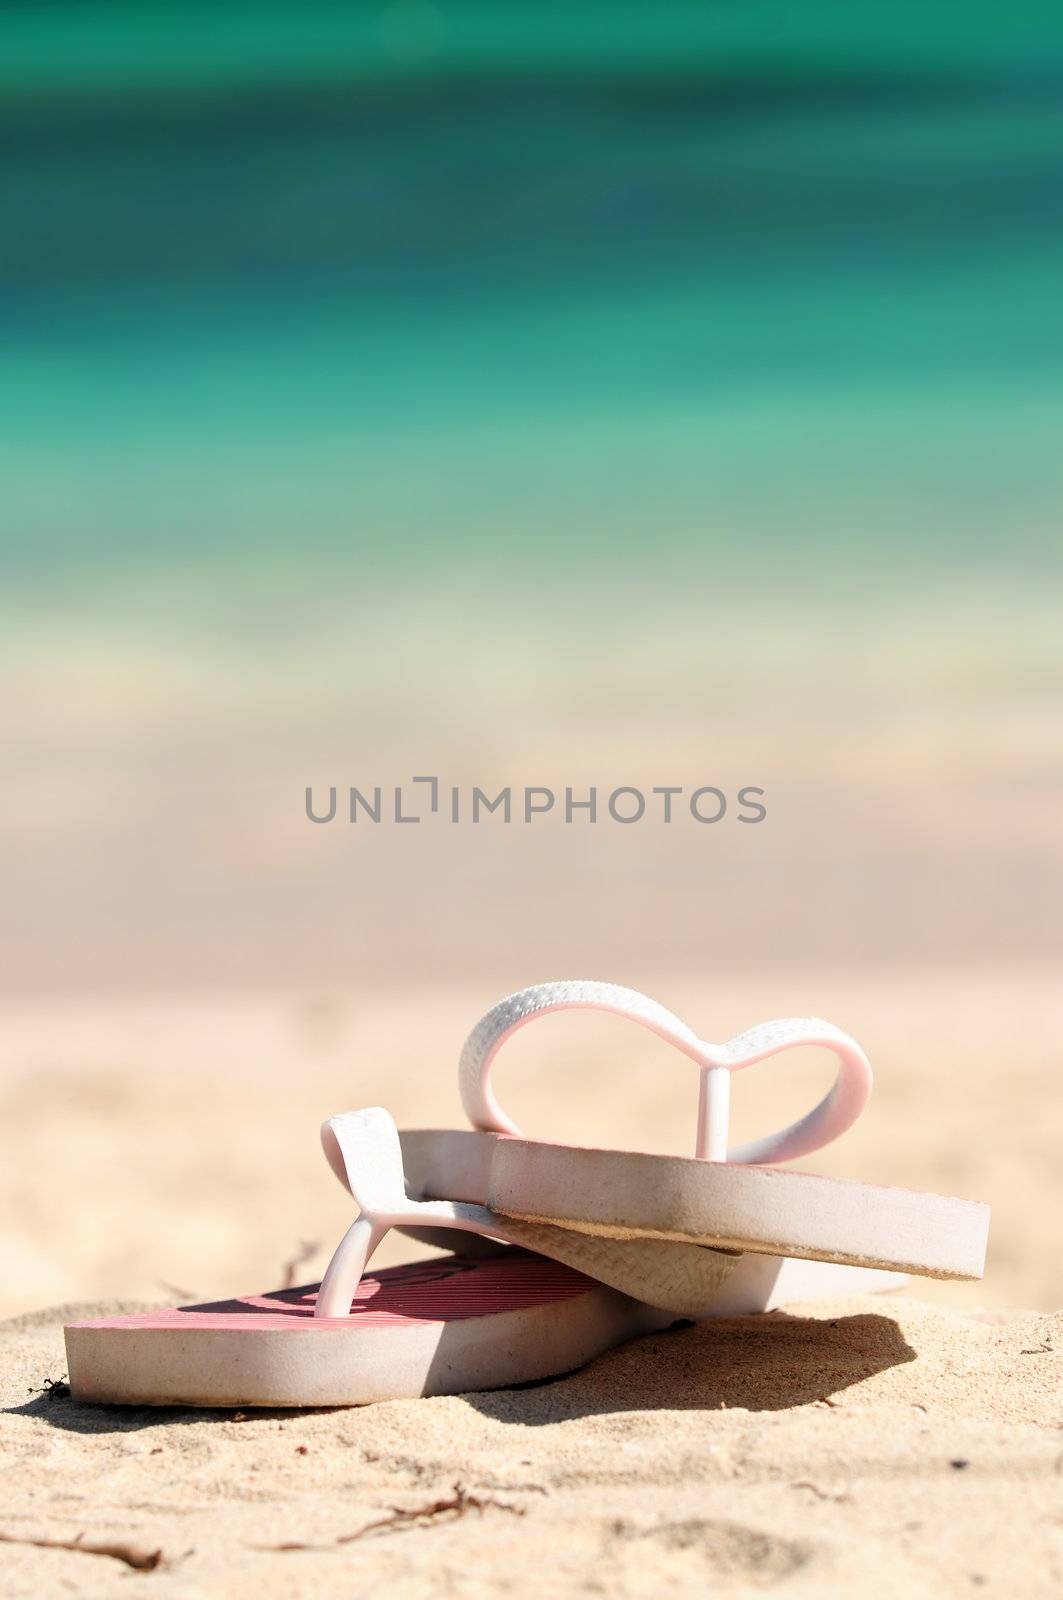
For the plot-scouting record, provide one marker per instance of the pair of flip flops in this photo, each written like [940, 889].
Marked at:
[557, 1253]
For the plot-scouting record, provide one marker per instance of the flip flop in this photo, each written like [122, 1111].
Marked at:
[620, 1248]
[732, 1199]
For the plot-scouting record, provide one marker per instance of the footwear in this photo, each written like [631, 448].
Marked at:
[728, 1199]
[558, 1254]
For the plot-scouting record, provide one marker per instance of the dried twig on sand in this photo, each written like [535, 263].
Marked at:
[134, 1556]
[839, 1498]
[308, 1248]
[449, 1507]
[175, 1292]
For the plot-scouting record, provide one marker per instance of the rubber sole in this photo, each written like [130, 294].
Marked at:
[443, 1326]
[620, 1194]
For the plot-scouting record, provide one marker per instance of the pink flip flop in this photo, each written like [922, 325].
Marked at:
[560, 1252]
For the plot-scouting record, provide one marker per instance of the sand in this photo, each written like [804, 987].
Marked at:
[867, 1446]
[166, 1147]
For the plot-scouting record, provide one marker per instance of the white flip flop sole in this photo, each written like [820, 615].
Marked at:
[620, 1194]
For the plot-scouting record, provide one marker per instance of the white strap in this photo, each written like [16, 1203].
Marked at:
[836, 1112]
[363, 1150]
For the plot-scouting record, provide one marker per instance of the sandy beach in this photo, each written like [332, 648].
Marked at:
[860, 1446]
[432, 401]
[872, 1446]
[191, 994]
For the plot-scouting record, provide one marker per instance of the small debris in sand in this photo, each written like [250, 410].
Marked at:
[840, 1498]
[53, 1389]
[459, 1504]
[308, 1248]
[448, 1508]
[175, 1292]
[134, 1556]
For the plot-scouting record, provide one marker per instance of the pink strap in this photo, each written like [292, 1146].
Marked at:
[836, 1112]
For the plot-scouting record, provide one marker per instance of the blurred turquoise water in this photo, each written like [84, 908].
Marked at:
[342, 288]
[595, 393]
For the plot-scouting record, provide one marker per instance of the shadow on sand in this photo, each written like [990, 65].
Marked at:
[768, 1362]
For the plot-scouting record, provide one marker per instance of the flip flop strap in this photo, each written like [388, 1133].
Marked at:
[363, 1150]
[836, 1112]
